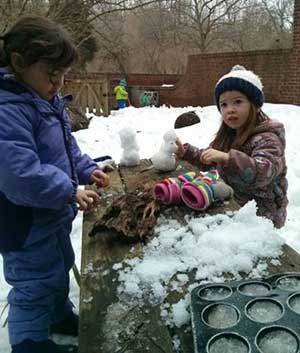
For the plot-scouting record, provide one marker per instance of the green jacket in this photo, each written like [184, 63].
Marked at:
[120, 92]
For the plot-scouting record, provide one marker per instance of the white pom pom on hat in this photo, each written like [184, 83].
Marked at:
[242, 80]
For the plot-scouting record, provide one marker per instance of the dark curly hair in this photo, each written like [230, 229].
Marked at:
[38, 39]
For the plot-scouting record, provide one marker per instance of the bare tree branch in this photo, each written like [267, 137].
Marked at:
[120, 6]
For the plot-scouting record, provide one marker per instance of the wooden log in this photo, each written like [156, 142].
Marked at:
[110, 325]
[107, 325]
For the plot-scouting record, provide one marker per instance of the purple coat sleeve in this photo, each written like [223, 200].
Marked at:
[193, 154]
[256, 169]
[84, 164]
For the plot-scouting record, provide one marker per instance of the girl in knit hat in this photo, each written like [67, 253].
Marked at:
[248, 149]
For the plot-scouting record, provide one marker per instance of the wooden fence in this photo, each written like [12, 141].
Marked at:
[90, 94]
[93, 92]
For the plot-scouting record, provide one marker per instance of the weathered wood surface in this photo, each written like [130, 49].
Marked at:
[106, 324]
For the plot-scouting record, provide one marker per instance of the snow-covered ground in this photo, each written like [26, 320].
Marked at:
[211, 245]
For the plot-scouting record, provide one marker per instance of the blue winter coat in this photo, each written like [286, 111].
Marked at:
[40, 165]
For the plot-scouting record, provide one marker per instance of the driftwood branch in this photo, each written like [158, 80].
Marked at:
[132, 215]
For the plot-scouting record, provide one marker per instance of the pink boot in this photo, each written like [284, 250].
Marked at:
[199, 194]
[168, 190]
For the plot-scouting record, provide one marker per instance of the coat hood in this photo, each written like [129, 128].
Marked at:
[273, 126]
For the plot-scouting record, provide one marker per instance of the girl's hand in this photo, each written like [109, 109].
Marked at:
[213, 156]
[100, 178]
[86, 199]
[180, 149]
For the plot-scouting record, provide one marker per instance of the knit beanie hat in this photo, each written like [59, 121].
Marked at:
[242, 80]
[123, 82]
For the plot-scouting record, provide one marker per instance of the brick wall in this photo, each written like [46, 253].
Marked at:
[290, 87]
[279, 70]
[203, 71]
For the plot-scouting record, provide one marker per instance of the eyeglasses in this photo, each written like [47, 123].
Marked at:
[57, 76]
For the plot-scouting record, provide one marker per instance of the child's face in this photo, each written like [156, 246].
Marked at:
[41, 79]
[235, 108]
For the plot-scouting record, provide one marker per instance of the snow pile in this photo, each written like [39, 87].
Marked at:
[130, 156]
[164, 159]
[209, 246]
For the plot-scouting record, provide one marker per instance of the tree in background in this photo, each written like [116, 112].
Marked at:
[255, 29]
[10, 10]
[201, 20]
[114, 47]
[78, 16]
[280, 13]
[156, 36]
[74, 16]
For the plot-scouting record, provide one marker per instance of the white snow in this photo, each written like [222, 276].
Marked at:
[164, 159]
[209, 246]
[130, 156]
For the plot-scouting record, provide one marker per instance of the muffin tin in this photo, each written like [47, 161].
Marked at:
[248, 316]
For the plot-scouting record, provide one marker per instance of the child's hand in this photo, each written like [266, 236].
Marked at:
[86, 199]
[180, 149]
[99, 178]
[213, 156]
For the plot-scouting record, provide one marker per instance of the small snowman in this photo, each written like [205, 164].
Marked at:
[164, 160]
[130, 156]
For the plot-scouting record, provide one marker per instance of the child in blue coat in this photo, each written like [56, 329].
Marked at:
[41, 167]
